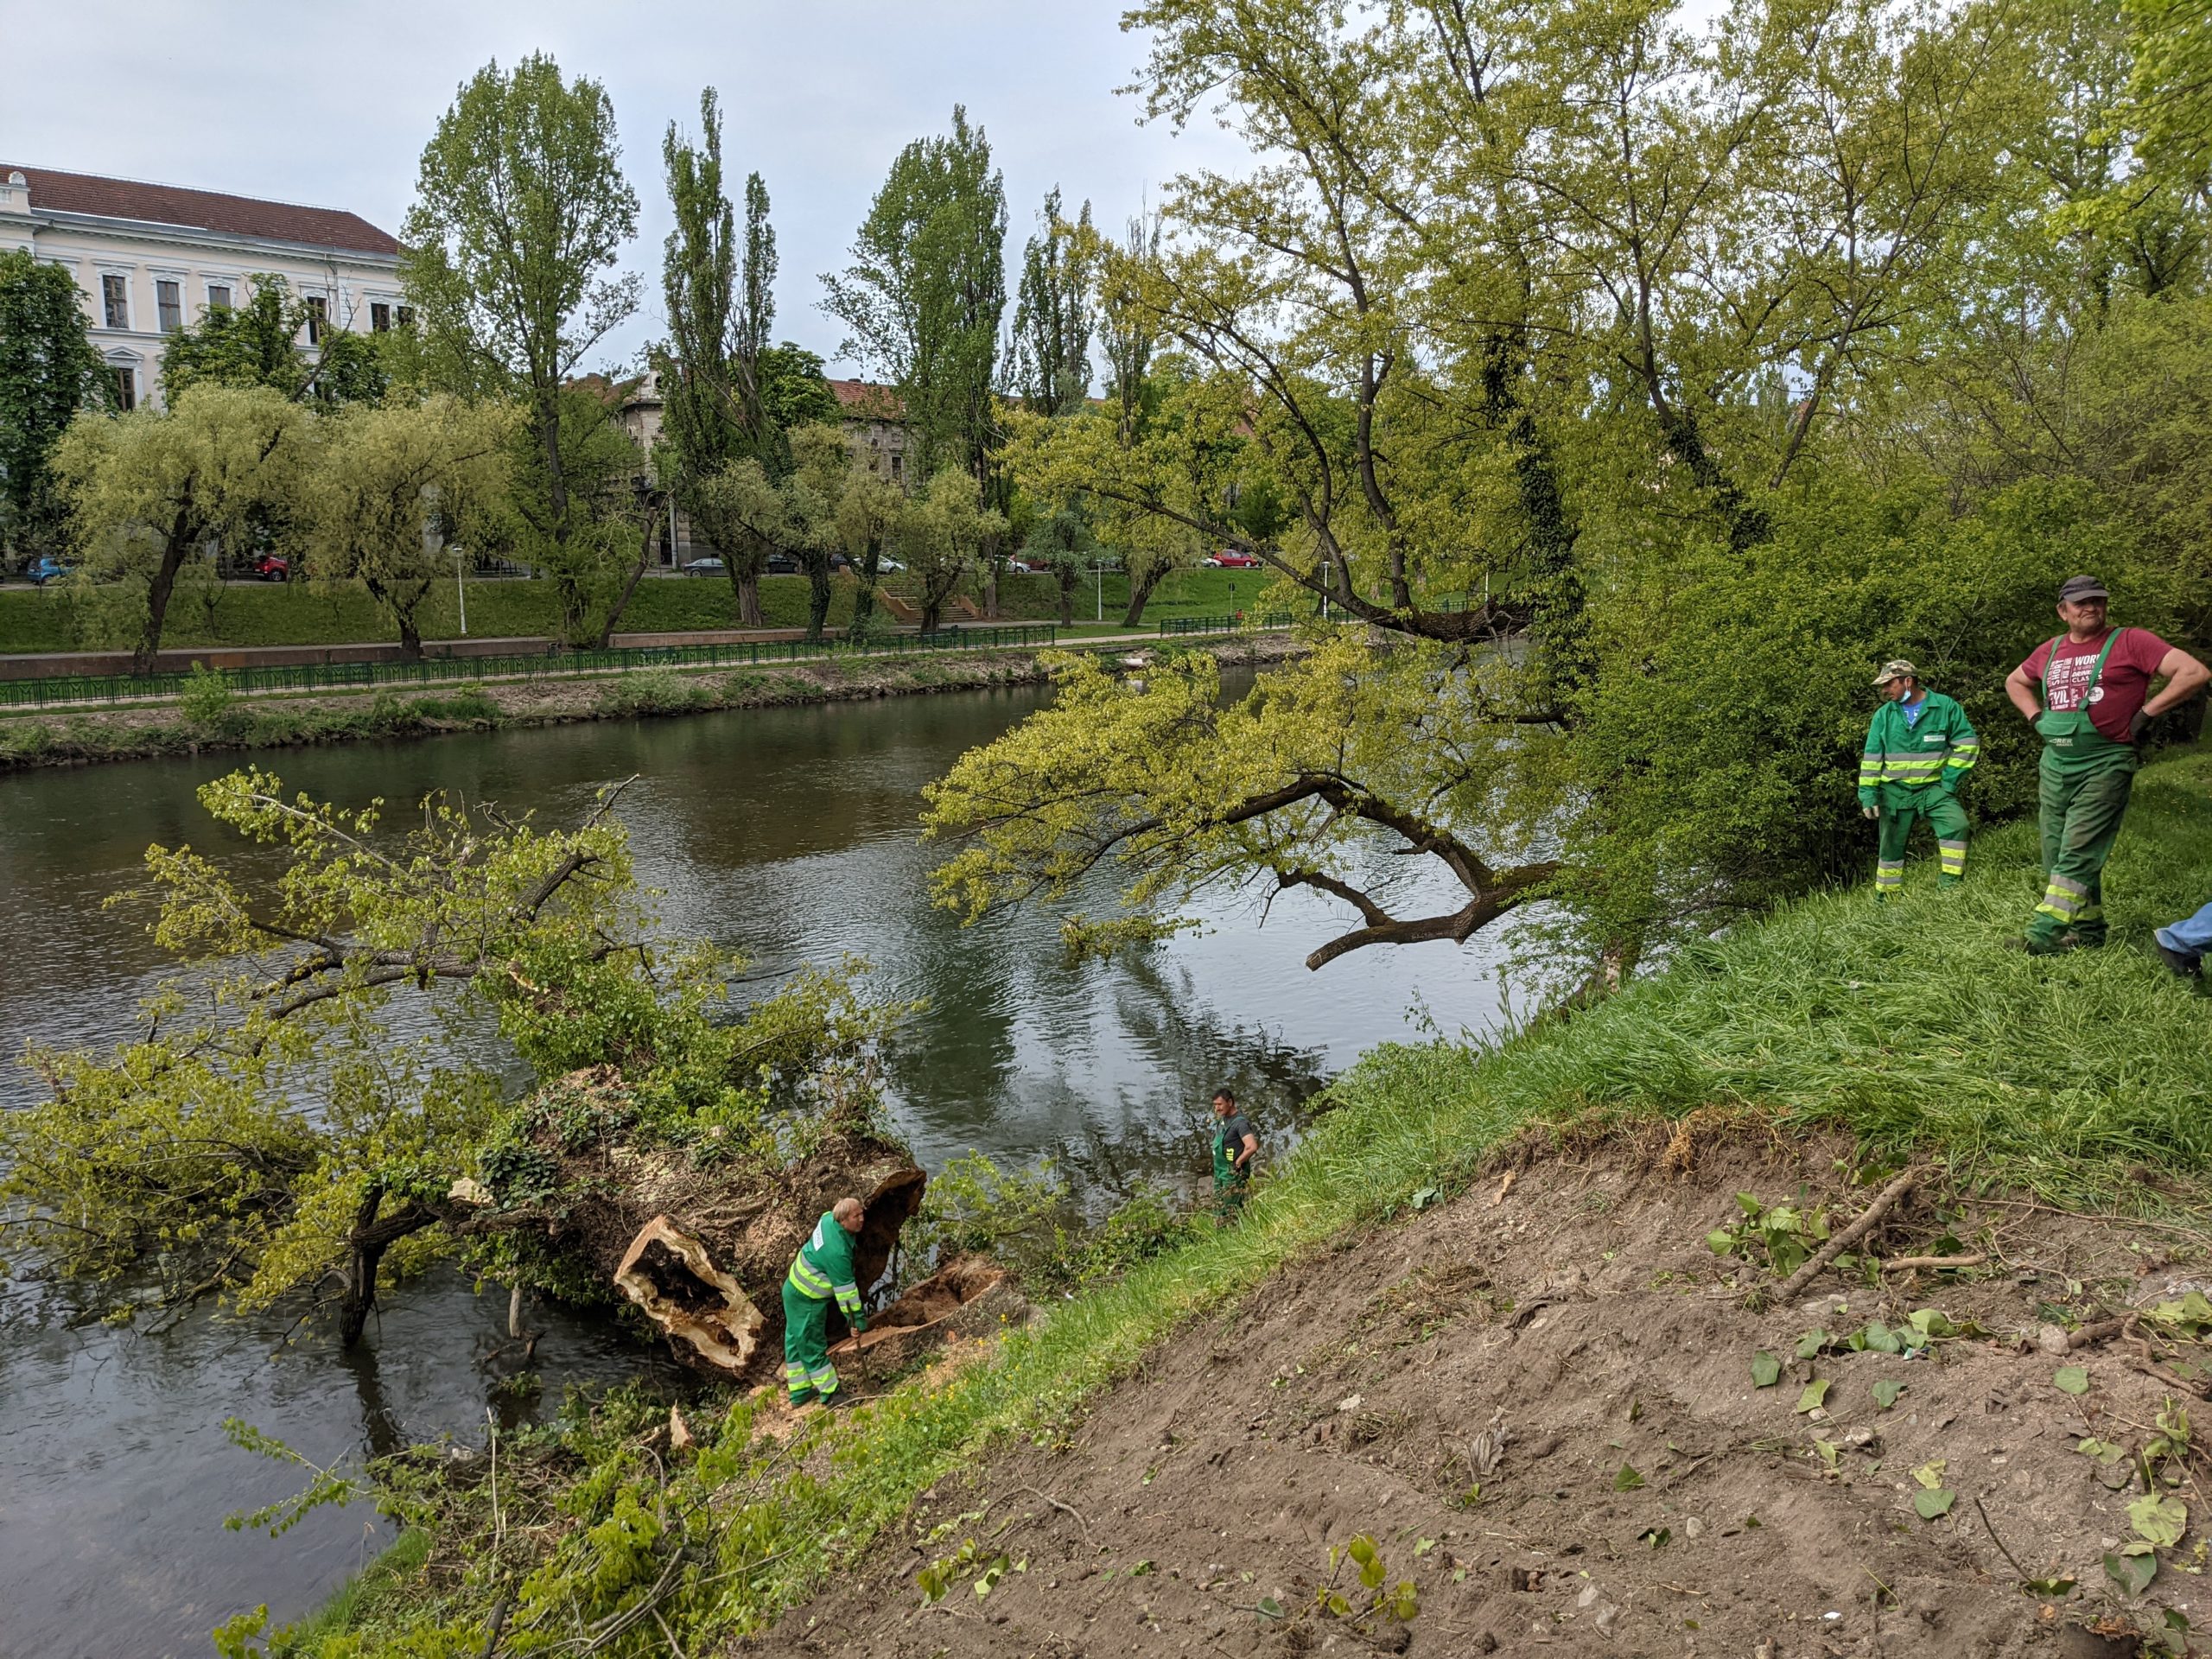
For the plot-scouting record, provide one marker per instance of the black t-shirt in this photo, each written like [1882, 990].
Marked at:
[1234, 1129]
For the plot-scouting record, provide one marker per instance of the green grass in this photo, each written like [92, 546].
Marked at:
[1908, 1026]
[34, 620]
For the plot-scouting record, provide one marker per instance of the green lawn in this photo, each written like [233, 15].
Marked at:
[34, 620]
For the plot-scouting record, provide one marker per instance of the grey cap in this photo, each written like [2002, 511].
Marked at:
[1897, 668]
[2075, 589]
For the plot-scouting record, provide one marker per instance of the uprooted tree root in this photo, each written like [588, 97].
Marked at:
[700, 1245]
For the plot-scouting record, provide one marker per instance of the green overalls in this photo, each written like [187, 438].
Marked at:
[821, 1269]
[1232, 1186]
[1910, 771]
[2083, 785]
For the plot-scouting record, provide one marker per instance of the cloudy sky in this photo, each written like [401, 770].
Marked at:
[331, 104]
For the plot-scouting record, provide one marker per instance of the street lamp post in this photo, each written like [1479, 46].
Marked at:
[461, 590]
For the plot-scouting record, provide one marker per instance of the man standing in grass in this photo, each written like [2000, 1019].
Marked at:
[1918, 745]
[823, 1269]
[2095, 702]
[1235, 1146]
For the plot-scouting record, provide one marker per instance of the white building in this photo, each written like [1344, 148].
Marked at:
[153, 258]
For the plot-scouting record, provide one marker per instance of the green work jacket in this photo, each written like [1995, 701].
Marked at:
[823, 1266]
[1902, 760]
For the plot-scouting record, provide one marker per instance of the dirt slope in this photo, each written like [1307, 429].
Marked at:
[1582, 1317]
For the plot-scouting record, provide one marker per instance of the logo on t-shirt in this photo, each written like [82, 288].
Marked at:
[2096, 694]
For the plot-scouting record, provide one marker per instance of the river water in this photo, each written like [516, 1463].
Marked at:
[790, 834]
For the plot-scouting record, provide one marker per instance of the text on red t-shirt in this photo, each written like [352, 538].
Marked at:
[2121, 690]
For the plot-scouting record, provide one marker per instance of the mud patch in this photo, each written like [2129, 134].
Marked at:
[1538, 1404]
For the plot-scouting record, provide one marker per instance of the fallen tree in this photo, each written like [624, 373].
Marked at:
[265, 1139]
[584, 1181]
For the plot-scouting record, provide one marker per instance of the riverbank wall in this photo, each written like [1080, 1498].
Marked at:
[32, 740]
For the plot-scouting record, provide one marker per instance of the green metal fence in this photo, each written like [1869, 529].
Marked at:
[1171, 624]
[323, 677]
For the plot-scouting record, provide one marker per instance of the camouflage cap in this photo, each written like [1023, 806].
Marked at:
[1897, 668]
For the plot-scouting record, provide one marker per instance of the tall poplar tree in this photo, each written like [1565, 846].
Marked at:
[521, 211]
[925, 295]
[1050, 368]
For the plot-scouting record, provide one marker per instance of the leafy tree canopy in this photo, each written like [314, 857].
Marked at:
[49, 371]
[264, 343]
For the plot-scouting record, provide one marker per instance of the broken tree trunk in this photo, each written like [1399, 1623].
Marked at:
[969, 1296]
[699, 1243]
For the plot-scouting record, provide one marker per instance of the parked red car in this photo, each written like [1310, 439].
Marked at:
[272, 566]
[1229, 559]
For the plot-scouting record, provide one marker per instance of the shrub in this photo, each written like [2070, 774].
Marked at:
[206, 700]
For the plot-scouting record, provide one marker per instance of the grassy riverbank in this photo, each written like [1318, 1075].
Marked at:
[29, 740]
[302, 614]
[1908, 1029]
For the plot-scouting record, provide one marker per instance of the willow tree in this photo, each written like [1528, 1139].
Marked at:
[1515, 310]
[264, 1137]
[388, 488]
[153, 493]
[946, 539]
[1180, 791]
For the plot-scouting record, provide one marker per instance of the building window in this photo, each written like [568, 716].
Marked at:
[895, 459]
[318, 318]
[219, 296]
[115, 300]
[169, 300]
[379, 317]
[404, 316]
[126, 386]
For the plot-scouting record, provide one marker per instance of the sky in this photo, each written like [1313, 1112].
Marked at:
[331, 106]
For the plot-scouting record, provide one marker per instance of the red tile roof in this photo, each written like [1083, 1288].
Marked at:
[867, 400]
[202, 210]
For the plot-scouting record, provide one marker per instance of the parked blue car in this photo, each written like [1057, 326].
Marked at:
[45, 568]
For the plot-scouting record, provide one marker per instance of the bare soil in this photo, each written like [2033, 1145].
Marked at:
[1645, 1497]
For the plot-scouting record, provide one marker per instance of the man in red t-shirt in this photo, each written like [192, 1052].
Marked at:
[2096, 699]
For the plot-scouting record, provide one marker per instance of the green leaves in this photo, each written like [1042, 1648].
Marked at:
[1933, 1498]
[1766, 1369]
[1879, 1338]
[1886, 1393]
[1780, 1238]
[1628, 1480]
[1810, 1344]
[1814, 1393]
[2072, 1379]
[2133, 1574]
[2159, 1519]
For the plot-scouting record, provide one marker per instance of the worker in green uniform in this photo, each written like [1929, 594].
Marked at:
[1918, 745]
[821, 1269]
[1235, 1146]
[2097, 701]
